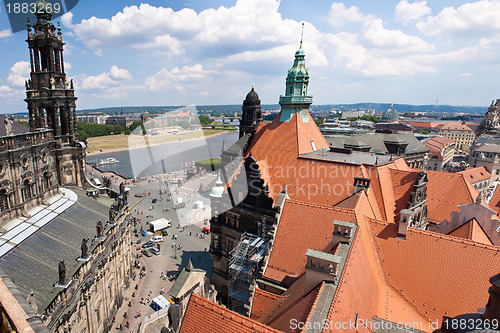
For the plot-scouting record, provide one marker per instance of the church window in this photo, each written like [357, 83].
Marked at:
[46, 181]
[26, 190]
[4, 203]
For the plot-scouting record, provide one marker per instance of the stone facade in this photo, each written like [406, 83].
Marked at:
[491, 121]
[95, 293]
[256, 215]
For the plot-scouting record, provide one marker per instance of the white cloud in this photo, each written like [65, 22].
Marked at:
[406, 12]
[67, 20]
[5, 33]
[178, 78]
[19, 73]
[6, 91]
[393, 41]
[471, 20]
[340, 15]
[119, 73]
[103, 81]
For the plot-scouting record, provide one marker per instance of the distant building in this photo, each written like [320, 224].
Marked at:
[353, 114]
[395, 144]
[390, 115]
[122, 121]
[480, 178]
[442, 150]
[486, 154]
[462, 134]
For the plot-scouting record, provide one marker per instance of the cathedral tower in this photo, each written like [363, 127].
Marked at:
[51, 97]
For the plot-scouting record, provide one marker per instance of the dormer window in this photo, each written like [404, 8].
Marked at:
[313, 145]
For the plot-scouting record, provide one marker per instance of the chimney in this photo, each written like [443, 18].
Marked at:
[492, 311]
[342, 232]
[404, 222]
[320, 267]
[361, 184]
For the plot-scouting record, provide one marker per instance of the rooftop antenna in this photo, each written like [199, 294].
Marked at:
[302, 35]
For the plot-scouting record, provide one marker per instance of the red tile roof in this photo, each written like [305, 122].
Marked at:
[416, 268]
[473, 231]
[277, 148]
[208, 317]
[302, 226]
[445, 192]
[452, 127]
[473, 175]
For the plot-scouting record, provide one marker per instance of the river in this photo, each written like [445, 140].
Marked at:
[166, 157]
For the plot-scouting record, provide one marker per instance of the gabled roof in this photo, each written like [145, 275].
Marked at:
[208, 317]
[473, 231]
[416, 266]
[302, 226]
[446, 191]
[473, 175]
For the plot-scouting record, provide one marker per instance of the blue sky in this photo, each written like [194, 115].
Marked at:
[211, 52]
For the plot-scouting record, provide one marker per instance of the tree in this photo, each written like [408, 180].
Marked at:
[319, 121]
[205, 120]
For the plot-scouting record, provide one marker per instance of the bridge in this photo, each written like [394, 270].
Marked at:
[225, 119]
[213, 126]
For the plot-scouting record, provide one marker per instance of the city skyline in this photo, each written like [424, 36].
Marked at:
[175, 53]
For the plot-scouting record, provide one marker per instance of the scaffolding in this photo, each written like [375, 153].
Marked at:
[243, 268]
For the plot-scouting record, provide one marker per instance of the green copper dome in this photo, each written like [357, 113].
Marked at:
[390, 115]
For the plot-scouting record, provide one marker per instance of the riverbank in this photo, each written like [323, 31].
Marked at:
[121, 142]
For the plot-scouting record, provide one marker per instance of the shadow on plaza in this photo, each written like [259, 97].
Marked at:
[200, 259]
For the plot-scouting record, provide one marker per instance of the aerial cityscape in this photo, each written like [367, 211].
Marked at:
[249, 166]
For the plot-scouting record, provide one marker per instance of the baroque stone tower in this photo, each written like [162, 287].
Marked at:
[51, 97]
[251, 115]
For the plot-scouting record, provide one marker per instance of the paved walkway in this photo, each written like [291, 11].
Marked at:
[194, 247]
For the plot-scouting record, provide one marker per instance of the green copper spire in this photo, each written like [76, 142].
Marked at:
[297, 81]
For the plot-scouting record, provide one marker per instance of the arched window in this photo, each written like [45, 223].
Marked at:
[46, 181]
[4, 202]
[26, 190]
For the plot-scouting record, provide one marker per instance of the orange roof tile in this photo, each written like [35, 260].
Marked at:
[473, 231]
[299, 310]
[416, 266]
[447, 127]
[262, 304]
[208, 317]
[302, 226]
[445, 192]
[277, 147]
[363, 289]
[473, 175]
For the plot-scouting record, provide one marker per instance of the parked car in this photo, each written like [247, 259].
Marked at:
[148, 244]
[139, 241]
[147, 253]
[157, 238]
[155, 251]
